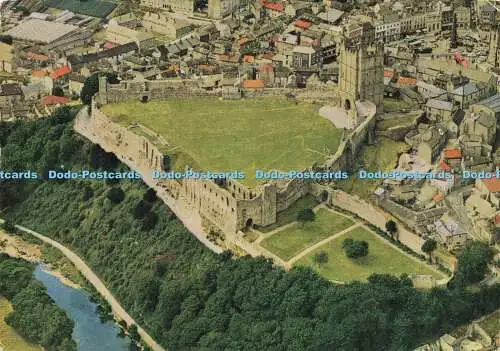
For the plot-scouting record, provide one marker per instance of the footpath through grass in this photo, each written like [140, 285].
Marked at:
[292, 240]
[214, 135]
[381, 259]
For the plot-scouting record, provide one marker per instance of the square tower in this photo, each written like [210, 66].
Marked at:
[361, 67]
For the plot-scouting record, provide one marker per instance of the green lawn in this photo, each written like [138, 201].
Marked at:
[396, 121]
[291, 241]
[290, 214]
[395, 105]
[9, 339]
[216, 135]
[381, 258]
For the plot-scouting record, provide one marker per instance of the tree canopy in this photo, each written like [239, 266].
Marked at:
[191, 298]
[306, 215]
[31, 305]
[355, 248]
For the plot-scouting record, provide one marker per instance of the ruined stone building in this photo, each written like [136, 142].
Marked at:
[227, 204]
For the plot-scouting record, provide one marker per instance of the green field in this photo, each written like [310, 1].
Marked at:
[290, 214]
[214, 135]
[395, 105]
[9, 339]
[398, 121]
[381, 258]
[94, 8]
[292, 240]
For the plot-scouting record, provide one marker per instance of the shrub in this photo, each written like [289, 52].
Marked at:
[141, 209]
[306, 215]
[149, 222]
[116, 195]
[88, 192]
[9, 226]
[320, 257]
[355, 248]
[150, 196]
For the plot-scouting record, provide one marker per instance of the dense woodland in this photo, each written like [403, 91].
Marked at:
[190, 298]
[35, 316]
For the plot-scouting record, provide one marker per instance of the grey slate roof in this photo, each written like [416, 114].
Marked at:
[492, 102]
[440, 105]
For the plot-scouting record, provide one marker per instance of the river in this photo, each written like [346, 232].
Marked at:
[89, 333]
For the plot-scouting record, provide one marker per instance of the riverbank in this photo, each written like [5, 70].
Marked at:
[15, 246]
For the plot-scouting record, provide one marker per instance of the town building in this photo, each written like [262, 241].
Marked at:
[451, 235]
[6, 58]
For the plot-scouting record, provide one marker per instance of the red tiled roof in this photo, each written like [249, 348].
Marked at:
[496, 220]
[59, 72]
[35, 56]
[444, 166]
[54, 100]
[249, 59]
[493, 185]
[39, 74]
[303, 24]
[109, 45]
[388, 73]
[452, 153]
[438, 197]
[253, 84]
[275, 6]
[407, 81]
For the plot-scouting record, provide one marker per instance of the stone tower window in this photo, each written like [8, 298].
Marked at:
[347, 104]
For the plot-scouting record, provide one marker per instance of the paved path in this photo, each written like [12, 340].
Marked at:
[87, 272]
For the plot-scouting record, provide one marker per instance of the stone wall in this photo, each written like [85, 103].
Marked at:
[171, 88]
[129, 144]
[231, 206]
[415, 220]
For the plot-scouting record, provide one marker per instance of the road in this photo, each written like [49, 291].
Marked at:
[87, 272]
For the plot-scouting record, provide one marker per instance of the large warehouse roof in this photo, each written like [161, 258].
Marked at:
[41, 31]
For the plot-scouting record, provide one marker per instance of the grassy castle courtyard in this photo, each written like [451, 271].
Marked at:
[217, 135]
[293, 239]
[382, 258]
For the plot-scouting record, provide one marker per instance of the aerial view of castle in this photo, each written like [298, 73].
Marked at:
[250, 174]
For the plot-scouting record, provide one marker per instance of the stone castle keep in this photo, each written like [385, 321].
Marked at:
[227, 205]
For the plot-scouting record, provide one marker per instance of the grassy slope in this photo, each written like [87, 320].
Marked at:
[9, 339]
[235, 135]
[381, 156]
[291, 241]
[381, 258]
